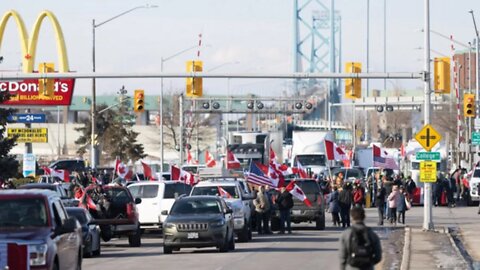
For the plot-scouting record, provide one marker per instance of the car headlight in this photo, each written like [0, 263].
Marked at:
[238, 213]
[218, 223]
[38, 254]
[168, 225]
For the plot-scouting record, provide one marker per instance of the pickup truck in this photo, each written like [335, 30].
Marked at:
[37, 232]
[115, 211]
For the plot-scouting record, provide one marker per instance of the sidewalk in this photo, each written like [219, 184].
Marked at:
[431, 250]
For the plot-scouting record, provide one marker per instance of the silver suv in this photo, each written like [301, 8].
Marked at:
[198, 221]
[235, 196]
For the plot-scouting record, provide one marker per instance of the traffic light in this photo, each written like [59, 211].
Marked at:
[194, 85]
[46, 87]
[353, 87]
[469, 105]
[139, 101]
[441, 75]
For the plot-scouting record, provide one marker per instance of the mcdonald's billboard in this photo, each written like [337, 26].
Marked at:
[26, 92]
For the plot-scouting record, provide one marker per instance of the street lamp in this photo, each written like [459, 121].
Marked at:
[94, 89]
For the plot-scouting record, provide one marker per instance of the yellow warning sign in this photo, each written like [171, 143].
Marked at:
[428, 137]
[29, 135]
[428, 171]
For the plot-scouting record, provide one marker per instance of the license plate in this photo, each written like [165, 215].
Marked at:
[192, 235]
[296, 212]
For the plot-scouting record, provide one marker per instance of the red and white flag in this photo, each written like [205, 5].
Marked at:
[147, 171]
[383, 159]
[223, 193]
[275, 176]
[181, 175]
[209, 159]
[189, 158]
[121, 169]
[301, 171]
[297, 192]
[334, 152]
[232, 161]
[282, 168]
[64, 175]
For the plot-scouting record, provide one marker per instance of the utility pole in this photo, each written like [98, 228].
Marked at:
[180, 101]
[477, 92]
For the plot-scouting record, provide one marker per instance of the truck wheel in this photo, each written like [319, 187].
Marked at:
[243, 235]
[135, 240]
[320, 223]
[106, 232]
[167, 250]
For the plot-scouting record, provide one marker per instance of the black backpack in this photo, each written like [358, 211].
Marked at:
[360, 253]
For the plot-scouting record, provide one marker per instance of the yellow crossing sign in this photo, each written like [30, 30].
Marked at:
[428, 137]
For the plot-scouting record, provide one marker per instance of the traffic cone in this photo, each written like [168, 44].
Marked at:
[367, 200]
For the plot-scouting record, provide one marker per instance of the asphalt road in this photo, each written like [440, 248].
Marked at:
[306, 248]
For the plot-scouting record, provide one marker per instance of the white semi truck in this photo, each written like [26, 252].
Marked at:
[308, 148]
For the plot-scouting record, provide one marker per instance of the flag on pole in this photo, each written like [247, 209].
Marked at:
[232, 161]
[282, 168]
[257, 177]
[223, 193]
[334, 152]
[147, 171]
[121, 169]
[209, 159]
[276, 177]
[63, 175]
[301, 171]
[298, 193]
[180, 175]
[382, 159]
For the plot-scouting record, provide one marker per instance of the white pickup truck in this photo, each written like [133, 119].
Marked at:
[474, 184]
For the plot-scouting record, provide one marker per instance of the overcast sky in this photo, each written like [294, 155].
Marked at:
[239, 36]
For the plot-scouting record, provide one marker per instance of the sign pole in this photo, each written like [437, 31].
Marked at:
[427, 206]
[28, 145]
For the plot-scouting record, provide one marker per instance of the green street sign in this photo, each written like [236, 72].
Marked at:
[476, 138]
[428, 155]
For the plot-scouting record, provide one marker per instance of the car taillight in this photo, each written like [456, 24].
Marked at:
[131, 212]
[319, 199]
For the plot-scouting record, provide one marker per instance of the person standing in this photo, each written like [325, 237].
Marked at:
[402, 204]
[358, 196]
[334, 206]
[360, 246]
[261, 206]
[285, 204]
[380, 195]
[268, 213]
[392, 205]
[345, 202]
[410, 186]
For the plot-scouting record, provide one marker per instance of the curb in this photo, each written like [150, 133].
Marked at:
[447, 231]
[405, 264]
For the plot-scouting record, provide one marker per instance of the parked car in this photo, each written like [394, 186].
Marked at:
[57, 188]
[301, 212]
[156, 196]
[119, 217]
[474, 188]
[234, 195]
[90, 231]
[38, 220]
[198, 221]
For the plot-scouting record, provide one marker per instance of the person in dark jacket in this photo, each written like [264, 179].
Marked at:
[380, 195]
[358, 217]
[345, 202]
[285, 203]
[402, 204]
[410, 186]
[334, 206]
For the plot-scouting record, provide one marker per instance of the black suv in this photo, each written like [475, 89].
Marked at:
[70, 165]
[301, 212]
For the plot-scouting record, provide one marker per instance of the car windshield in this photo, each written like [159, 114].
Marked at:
[176, 189]
[311, 160]
[196, 206]
[308, 187]
[222, 191]
[28, 212]
[350, 173]
[79, 215]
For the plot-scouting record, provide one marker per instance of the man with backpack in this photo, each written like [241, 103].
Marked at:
[360, 247]
[285, 203]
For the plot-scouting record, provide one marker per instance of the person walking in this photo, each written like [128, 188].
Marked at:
[261, 206]
[345, 202]
[360, 246]
[334, 206]
[387, 184]
[285, 204]
[358, 197]
[402, 204]
[380, 195]
[392, 205]
[410, 186]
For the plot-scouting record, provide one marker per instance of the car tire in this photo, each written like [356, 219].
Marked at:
[135, 240]
[231, 244]
[106, 232]
[225, 246]
[79, 260]
[167, 249]
[55, 266]
[320, 223]
[88, 253]
[243, 235]
[97, 252]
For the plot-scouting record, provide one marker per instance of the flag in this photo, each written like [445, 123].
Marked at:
[63, 175]
[121, 170]
[209, 159]
[402, 151]
[16, 256]
[189, 157]
[334, 152]
[257, 177]
[382, 159]
[297, 192]
[223, 193]
[181, 175]
[301, 171]
[282, 168]
[232, 161]
[147, 171]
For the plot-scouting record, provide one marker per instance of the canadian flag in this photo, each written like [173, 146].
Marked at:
[301, 171]
[64, 175]
[276, 177]
[147, 171]
[223, 193]
[284, 169]
[334, 152]
[121, 169]
[297, 192]
[232, 161]
[209, 159]
[181, 175]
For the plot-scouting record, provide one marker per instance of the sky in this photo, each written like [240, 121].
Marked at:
[237, 36]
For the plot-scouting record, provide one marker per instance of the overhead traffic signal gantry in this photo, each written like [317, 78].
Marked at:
[139, 101]
[469, 105]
